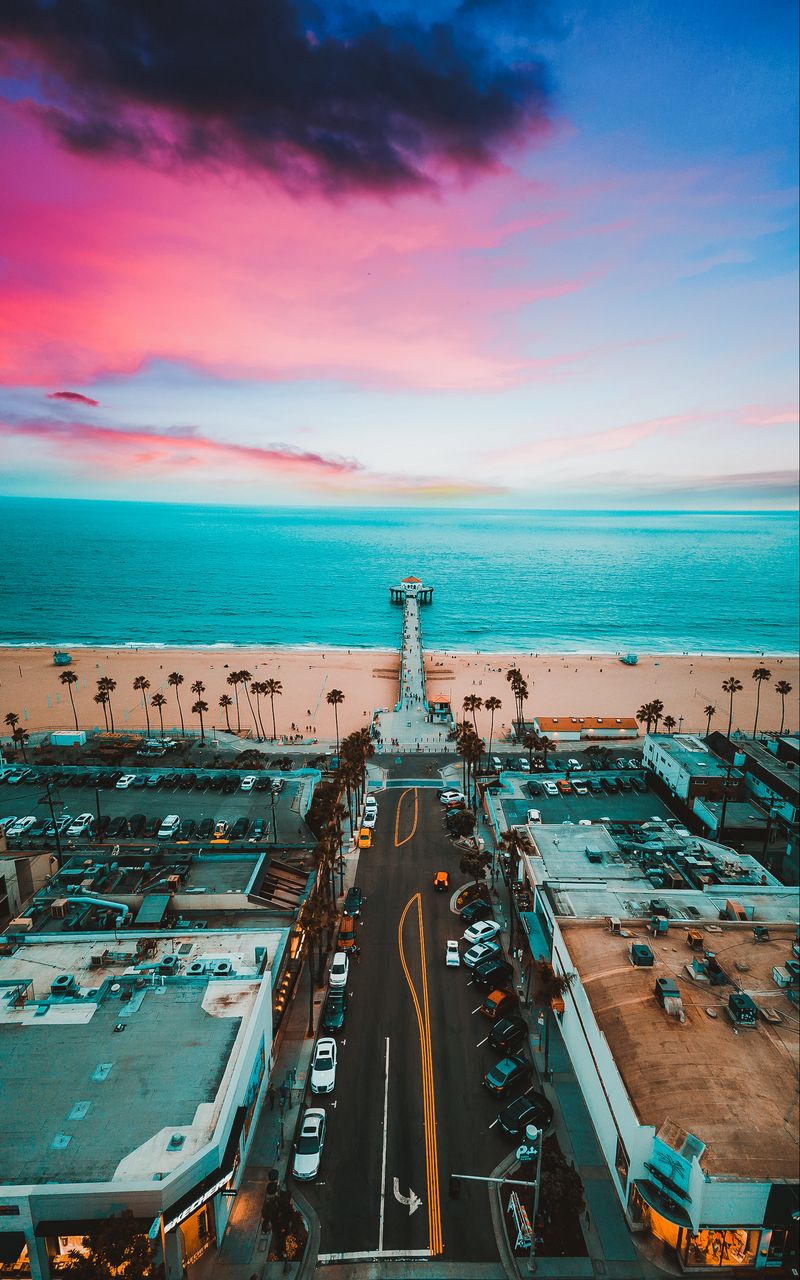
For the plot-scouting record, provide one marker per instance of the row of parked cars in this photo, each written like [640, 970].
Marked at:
[481, 953]
[105, 778]
[310, 1139]
[610, 784]
[88, 826]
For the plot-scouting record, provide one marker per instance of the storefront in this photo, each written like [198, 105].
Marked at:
[14, 1256]
[201, 1216]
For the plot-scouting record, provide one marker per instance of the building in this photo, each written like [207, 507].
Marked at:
[595, 728]
[770, 769]
[163, 1051]
[689, 767]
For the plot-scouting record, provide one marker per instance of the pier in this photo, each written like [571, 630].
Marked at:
[410, 724]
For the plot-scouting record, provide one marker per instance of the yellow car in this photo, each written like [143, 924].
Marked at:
[365, 838]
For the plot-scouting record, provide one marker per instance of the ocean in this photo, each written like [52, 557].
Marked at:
[105, 573]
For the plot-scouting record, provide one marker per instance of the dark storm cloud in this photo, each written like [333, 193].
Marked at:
[364, 103]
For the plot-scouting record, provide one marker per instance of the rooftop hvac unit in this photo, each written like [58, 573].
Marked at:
[64, 985]
[169, 964]
[640, 955]
[20, 924]
[614, 924]
[196, 969]
[58, 908]
[658, 924]
[741, 1010]
[173, 884]
[220, 968]
[793, 969]
[666, 988]
[780, 977]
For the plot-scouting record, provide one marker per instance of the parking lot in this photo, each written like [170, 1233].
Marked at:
[192, 804]
[621, 807]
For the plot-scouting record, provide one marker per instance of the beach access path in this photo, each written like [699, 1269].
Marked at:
[408, 727]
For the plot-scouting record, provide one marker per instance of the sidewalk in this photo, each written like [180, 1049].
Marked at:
[243, 1252]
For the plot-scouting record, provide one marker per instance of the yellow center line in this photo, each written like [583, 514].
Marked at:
[428, 1095]
[397, 841]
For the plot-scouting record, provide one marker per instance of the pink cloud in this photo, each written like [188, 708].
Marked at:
[73, 397]
[759, 415]
[580, 444]
[166, 454]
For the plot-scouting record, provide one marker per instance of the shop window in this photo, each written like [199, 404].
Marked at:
[726, 1247]
[622, 1162]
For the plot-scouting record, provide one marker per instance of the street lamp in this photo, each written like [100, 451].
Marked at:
[531, 1150]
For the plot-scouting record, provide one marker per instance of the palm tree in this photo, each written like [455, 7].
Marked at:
[514, 678]
[335, 699]
[234, 680]
[473, 703]
[657, 709]
[257, 688]
[709, 712]
[101, 698]
[69, 678]
[107, 685]
[783, 687]
[274, 688]
[670, 723]
[531, 743]
[513, 843]
[175, 679]
[546, 744]
[473, 750]
[20, 737]
[474, 862]
[731, 686]
[492, 705]
[226, 702]
[645, 715]
[143, 684]
[198, 708]
[12, 720]
[245, 677]
[759, 675]
[549, 987]
[522, 694]
[159, 702]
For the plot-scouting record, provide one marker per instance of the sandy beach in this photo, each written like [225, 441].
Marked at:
[559, 684]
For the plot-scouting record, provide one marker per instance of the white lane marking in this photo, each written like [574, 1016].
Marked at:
[483, 1041]
[325, 1258]
[494, 1122]
[477, 1008]
[385, 1136]
[412, 1199]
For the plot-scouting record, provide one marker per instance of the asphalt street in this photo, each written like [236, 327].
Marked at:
[437, 1121]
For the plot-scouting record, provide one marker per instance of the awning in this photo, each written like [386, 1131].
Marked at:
[11, 1245]
[87, 1226]
[662, 1203]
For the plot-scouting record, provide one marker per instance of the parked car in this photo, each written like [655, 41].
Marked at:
[626, 785]
[530, 1107]
[59, 825]
[240, 828]
[257, 832]
[478, 909]
[639, 784]
[451, 956]
[534, 815]
[498, 1004]
[248, 782]
[449, 796]
[278, 784]
[574, 765]
[125, 781]
[441, 881]
[141, 780]
[188, 829]
[309, 1144]
[118, 828]
[497, 763]
[564, 787]
[221, 830]
[38, 829]
[81, 825]
[340, 967]
[187, 782]
[155, 780]
[507, 1034]
[370, 818]
[525, 764]
[333, 1014]
[481, 931]
[595, 786]
[101, 826]
[16, 776]
[365, 838]
[549, 788]
[323, 1066]
[170, 827]
[533, 789]
[506, 1073]
[205, 828]
[481, 951]
[492, 973]
[353, 902]
[137, 824]
[610, 785]
[21, 826]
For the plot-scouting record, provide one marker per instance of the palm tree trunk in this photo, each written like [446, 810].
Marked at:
[336, 718]
[730, 718]
[260, 721]
[180, 712]
[161, 720]
[491, 735]
[227, 720]
[708, 726]
[74, 712]
[105, 714]
[783, 712]
[202, 730]
[111, 714]
[274, 730]
[758, 699]
[146, 712]
[238, 712]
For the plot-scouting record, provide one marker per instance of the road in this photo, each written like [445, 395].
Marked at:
[437, 1113]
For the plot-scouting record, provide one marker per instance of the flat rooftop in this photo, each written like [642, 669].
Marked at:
[109, 1110]
[736, 1090]
[690, 753]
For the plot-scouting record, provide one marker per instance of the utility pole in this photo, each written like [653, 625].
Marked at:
[48, 797]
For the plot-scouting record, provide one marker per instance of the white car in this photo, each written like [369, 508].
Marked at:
[370, 818]
[574, 765]
[19, 827]
[481, 951]
[126, 781]
[534, 815]
[451, 957]
[580, 788]
[525, 764]
[451, 797]
[497, 763]
[309, 1144]
[339, 969]
[81, 825]
[549, 788]
[481, 931]
[248, 783]
[8, 822]
[585, 822]
[16, 776]
[276, 785]
[323, 1066]
[61, 825]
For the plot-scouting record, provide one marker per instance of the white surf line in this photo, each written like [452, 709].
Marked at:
[385, 1136]
[367, 1255]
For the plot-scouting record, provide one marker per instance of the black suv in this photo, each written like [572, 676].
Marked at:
[507, 1034]
[137, 824]
[205, 829]
[240, 829]
[353, 902]
[118, 829]
[492, 974]
[480, 909]
[530, 1108]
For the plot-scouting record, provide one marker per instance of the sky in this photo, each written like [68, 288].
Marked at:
[479, 252]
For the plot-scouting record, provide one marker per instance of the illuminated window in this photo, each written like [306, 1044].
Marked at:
[622, 1162]
[725, 1247]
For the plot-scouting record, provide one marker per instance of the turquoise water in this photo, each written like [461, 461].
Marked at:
[127, 573]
